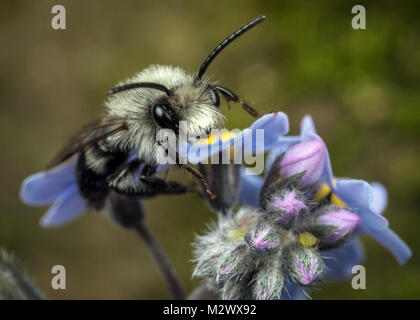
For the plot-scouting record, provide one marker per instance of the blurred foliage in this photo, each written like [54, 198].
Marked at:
[361, 87]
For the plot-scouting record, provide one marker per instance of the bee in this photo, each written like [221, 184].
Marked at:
[117, 152]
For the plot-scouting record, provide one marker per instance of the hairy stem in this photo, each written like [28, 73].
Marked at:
[168, 272]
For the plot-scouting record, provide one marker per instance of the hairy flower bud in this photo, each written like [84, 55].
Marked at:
[304, 264]
[285, 207]
[338, 224]
[234, 264]
[263, 237]
[306, 156]
[234, 290]
[268, 282]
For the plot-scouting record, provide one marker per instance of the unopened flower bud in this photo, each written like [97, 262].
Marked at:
[305, 264]
[268, 282]
[285, 207]
[233, 290]
[263, 237]
[234, 264]
[306, 156]
[337, 224]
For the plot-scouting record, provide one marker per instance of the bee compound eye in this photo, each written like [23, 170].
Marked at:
[165, 116]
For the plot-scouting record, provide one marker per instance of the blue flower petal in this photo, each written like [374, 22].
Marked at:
[358, 195]
[307, 126]
[44, 187]
[380, 198]
[249, 189]
[292, 291]
[340, 261]
[390, 240]
[276, 122]
[272, 124]
[68, 207]
[328, 174]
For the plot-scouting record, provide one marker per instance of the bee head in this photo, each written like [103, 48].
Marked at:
[163, 96]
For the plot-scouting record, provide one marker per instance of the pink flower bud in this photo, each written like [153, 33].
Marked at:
[263, 237]
[259, 243]
[305, 265]
[340, 223]
[286, 207]
[269, 281]
[306, 156]
[233, 264]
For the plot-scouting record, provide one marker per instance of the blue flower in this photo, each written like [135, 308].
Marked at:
[368, 201]
[248, 141]
[359, 195]
[58, 187]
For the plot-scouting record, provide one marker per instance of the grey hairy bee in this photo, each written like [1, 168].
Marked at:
[118, 150]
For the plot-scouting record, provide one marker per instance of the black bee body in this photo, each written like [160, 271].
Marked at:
[104, 173]
[93, 183]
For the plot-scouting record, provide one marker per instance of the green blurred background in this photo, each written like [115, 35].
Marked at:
[361, 87]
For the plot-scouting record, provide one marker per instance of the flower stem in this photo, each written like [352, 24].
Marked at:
[168, 272]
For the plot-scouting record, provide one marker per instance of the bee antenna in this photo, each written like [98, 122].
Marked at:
[129, 86]
[225, 43]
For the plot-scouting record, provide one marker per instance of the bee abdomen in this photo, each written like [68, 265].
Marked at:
[93, 169]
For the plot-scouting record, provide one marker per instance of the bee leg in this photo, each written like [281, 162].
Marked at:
[126, 181]
[147, 172]
[198, 175]
[152, 183]
[162, 186]
[230, 96]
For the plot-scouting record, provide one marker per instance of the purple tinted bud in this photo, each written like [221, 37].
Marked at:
[340, 223]
[306, 156]
[234, 264]
[287, 206]
[305, 265]
[268, 282]
[233, 290]
[263, 237]
[259, 243]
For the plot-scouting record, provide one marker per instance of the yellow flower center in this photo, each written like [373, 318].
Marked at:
[307, 239]
[213, 138]
[337, 201]
[325, 191]
[242, 228]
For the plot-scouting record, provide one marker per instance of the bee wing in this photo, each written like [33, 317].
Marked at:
[90, 134]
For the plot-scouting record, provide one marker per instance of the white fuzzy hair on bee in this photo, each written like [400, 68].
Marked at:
[159, 97]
